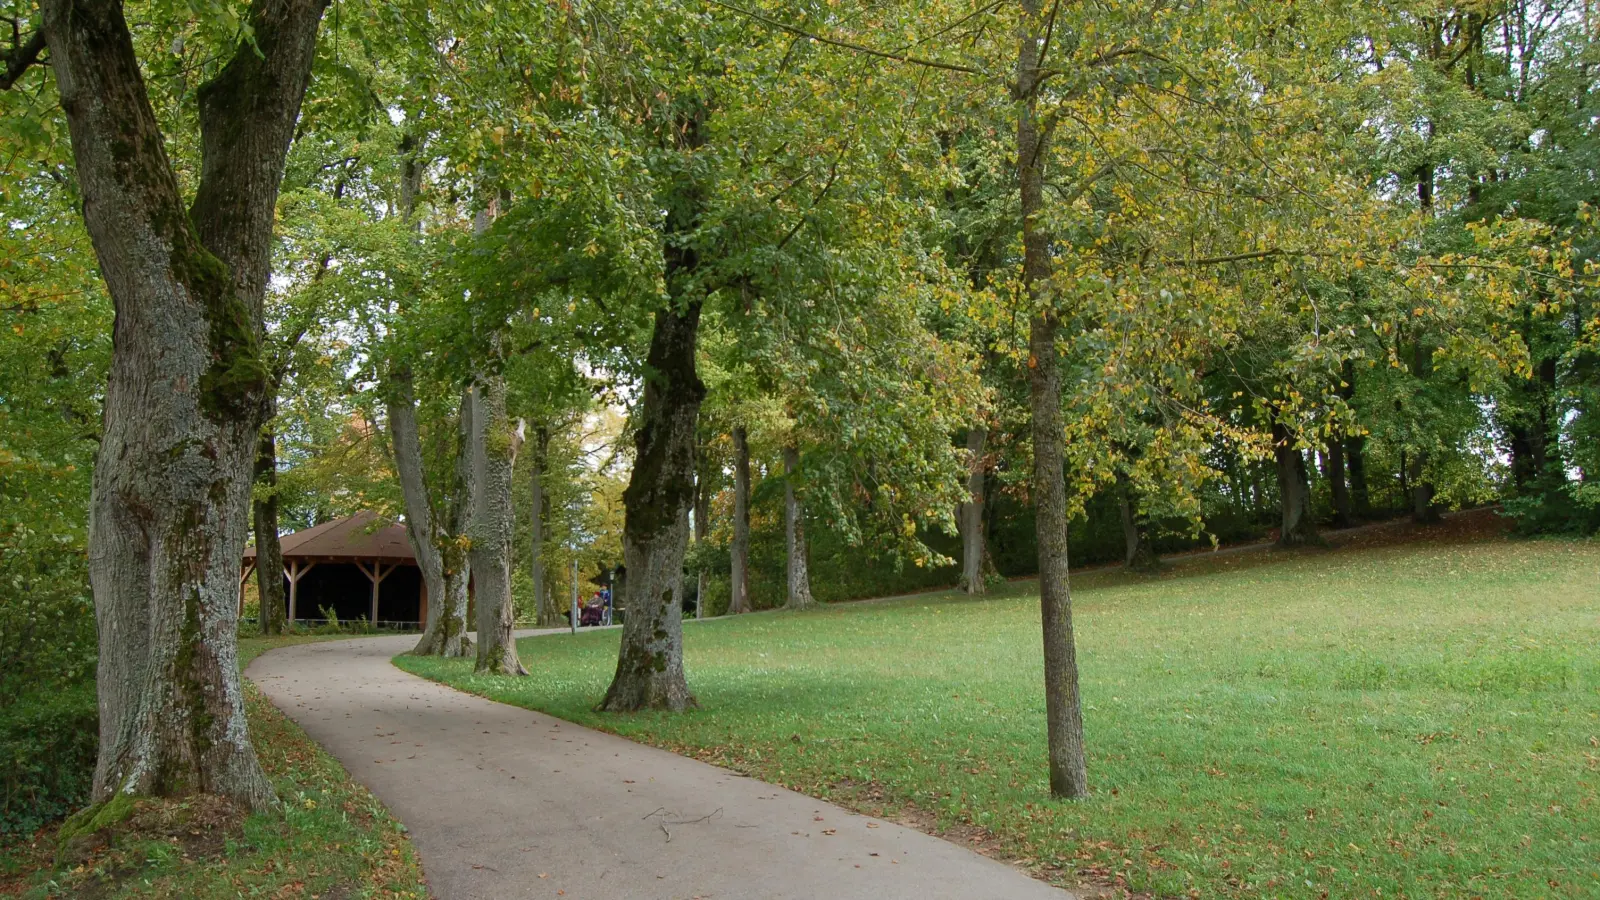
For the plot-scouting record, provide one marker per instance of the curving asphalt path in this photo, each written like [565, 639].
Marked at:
[502, 802]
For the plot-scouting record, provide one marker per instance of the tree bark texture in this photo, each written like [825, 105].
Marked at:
[1063, 705]
[269, 550]
[1140, 553]
[1294, 491]
[799, 596]
[969, 518]
[655, 530]
[188, 388]
[495, 442]
[739, 583]
[444, 632]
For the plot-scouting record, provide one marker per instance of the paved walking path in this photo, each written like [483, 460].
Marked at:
[504, 803]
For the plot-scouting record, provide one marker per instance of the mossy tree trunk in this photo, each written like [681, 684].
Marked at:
[660, 492]
[494, 455]
[970, 518]
[799, 595]
[1063, 705]
[188, 389]
[739, 582]
[269, 550]
[655, 530]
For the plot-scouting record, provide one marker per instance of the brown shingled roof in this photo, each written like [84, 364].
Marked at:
[361, 536]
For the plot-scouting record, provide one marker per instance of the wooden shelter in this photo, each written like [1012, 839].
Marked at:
[354, 568]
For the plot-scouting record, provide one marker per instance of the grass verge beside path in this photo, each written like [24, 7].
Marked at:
[332, 840]
[1419, 721]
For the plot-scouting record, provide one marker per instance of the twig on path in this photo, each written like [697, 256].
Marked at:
[665, 822]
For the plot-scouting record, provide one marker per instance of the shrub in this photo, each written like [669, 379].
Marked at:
[48, 742]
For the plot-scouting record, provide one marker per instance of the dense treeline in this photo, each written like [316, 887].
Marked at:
[771, 305]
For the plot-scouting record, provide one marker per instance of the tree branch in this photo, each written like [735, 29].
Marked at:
[21, 58]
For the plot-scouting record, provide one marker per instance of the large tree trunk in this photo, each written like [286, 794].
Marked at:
[739, 588]
[188, 388]
[437, 552]
[269, 550]
[1140, 553]
[660, 492]
[795, 534]
[656, 526]
[1063, 705]
[1294, 491]
[969, 518]
[1333, 456]
[495, 442]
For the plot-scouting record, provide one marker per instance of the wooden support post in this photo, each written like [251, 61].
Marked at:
[376, 575]
[294, 573]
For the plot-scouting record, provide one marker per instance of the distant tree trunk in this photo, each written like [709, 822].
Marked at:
[702, 532]
[1333, 458]
[188, 388]
[1294, 491]
[1139, 554]
[545, 613]
[970, 516]
[433, 543]
[269, 550]
[1063, 706]
[495, 443]
[1355, 449]
[795, 534]
[660, 491]
[1423, 509]
[739, 597]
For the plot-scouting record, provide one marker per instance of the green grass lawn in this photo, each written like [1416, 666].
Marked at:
[1418, 721]
[332, 838]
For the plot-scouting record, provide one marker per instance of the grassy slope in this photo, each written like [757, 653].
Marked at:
[334, 839]
[1417, 721]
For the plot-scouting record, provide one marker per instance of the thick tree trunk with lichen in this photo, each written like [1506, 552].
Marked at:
[269, 550]
[656, 527]
[739, 582]
[1063, 706]
[795, 534]
[495, 444]
[1294, 491]
[188, 389]
[969, 517]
